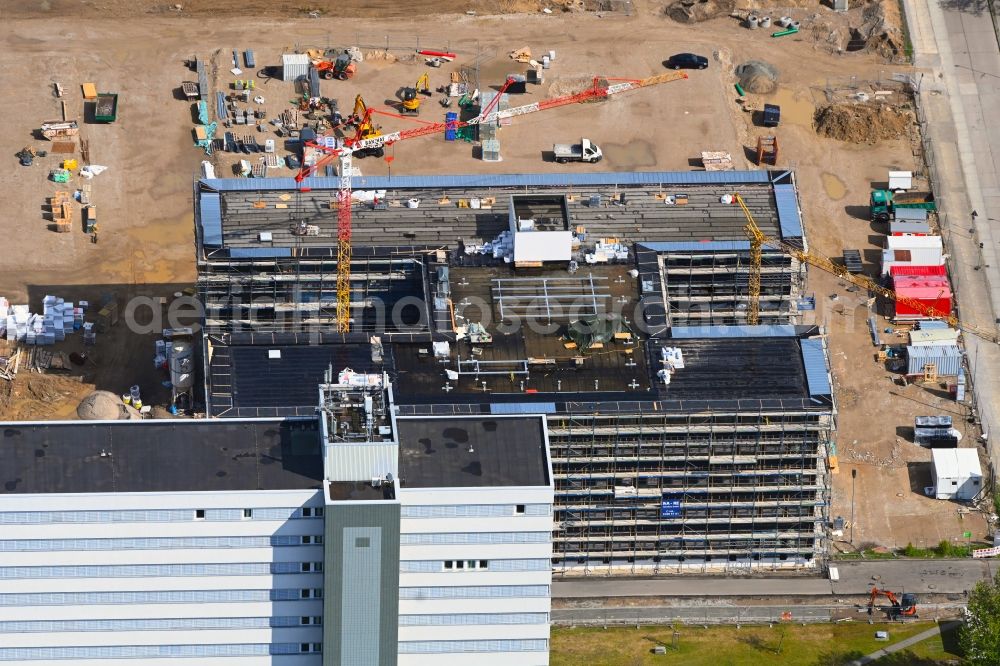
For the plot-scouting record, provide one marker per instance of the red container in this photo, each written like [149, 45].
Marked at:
[931, 290]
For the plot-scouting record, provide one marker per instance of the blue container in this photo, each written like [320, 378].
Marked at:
[451, 129]
[248, 59]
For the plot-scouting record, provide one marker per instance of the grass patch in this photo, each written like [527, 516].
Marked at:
[940, 648]
[907, 44]
[945, 549]
[780, 645]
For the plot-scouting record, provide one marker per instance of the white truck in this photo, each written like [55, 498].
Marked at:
[585, 151]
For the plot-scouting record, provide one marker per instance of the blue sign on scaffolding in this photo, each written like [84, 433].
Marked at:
[670, 508]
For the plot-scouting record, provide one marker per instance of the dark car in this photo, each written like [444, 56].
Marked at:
[687, 61]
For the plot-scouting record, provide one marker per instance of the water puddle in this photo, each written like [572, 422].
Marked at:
[795, 110]
[834, 186]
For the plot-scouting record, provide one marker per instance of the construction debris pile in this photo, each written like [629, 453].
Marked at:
[862, 122]
[695, 11]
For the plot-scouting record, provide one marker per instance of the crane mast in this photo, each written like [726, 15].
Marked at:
[489, 114]
[758, 239]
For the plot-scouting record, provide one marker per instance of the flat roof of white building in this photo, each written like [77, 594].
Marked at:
[956, 463]
[159, 456]
[475, 451]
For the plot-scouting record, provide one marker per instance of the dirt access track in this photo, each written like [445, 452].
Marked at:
[147, 245]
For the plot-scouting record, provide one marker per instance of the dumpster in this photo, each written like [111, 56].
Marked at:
[106, 108]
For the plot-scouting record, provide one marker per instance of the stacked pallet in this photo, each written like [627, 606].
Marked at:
[62, 212]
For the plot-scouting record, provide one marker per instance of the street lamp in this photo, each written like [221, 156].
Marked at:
[854, 477]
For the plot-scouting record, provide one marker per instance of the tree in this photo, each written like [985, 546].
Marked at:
[980, 637]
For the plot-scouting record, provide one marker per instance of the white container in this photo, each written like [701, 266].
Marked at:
[765, 22]
[752, 22]
[413, 203]
[552, 56]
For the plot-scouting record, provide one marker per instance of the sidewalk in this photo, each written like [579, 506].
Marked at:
[902, 645]
[958, 54]
[932, 576]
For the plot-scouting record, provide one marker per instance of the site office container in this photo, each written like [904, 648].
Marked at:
[932, 290]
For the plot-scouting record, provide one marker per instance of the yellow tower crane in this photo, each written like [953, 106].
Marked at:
[758, 239]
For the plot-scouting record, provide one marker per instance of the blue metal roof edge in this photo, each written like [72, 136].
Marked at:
[694, 246]
[817, 371]
[210, 219]
[259, 252]
[501, 180]
[522, 408]
[760, 331]
[787, 203]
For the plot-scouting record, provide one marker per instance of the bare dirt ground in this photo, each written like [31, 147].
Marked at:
[146, 242]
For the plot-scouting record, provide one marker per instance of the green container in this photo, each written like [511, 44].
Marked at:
[782, 33]
[106, 108]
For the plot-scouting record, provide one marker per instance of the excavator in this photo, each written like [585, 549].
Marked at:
[342, 68]
[361, 120]
[410, 96]
[900, 608]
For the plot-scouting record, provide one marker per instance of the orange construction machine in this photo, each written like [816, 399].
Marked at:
[905, 606]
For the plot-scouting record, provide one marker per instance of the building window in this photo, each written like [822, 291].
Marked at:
[247, 514]
[519, 508]
[312, 512]
[307, 540]
[466, 564]
[306, 620]
[310, 647]
[362, 542]
[199, 514]
[318, 512]
[311, 567]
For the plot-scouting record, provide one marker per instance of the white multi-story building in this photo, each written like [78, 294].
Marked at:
[225, 541]
[156, 540]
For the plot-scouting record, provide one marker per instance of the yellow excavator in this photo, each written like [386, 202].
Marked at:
[410, 97]
[361, 120]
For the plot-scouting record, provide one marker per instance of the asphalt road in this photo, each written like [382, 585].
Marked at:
[855, 577]
[730, 614]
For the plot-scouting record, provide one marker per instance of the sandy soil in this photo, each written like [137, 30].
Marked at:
[146, 244]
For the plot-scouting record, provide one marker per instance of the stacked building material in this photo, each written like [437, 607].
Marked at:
[58, 318]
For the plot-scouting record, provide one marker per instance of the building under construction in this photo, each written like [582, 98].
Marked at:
[615, 304]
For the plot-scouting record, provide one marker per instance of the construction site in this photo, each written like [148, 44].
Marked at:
[730, 345]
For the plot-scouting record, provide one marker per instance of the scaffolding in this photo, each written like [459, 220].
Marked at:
[722, 488]
[298, 294]
[712, 287]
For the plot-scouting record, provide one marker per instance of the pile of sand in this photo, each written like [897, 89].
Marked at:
[862, 123]
[757, 77]
[105, 406]
[695, 11]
